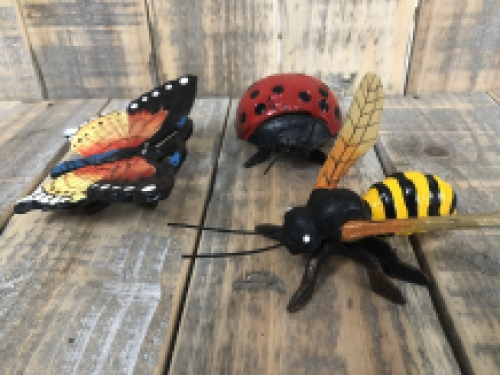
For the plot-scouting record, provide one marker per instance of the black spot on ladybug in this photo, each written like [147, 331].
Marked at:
[324, 105]
[304, 96]
[254, 94]
[243, 118]
[323, 92]
[278, 89]
[337, 113]
[260, 108]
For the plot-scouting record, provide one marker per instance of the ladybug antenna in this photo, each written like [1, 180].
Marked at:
[221, 230]
[238, 253]
[271, 164]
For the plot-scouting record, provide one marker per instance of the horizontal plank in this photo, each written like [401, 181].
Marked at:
[100, 293]
[235, 317]
[456, 136]
[31, 142]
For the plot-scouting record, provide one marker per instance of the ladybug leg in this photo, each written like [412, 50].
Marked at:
[260, 156]
[379, 281]
[318, 156]
[391, 264]
[306, 288]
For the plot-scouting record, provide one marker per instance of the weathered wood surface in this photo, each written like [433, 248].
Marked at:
[457, 47]
[456, 136]
[31, 141]
[90, 49]
[338, 41]
[100, 294]
[228, 44]
[18, 76]
[235, 319]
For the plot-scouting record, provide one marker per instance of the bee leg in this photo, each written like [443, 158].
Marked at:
[318, 156]
[306, 288]
[379, 281]
[260, 156]
[392, 265]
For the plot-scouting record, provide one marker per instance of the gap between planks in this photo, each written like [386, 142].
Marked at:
[187, 273]
[442, 313]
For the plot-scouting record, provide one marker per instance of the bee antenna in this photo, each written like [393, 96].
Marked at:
[221, 230]
[238, 253]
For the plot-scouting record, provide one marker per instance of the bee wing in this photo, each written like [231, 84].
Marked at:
[355, 230]
[358, 134]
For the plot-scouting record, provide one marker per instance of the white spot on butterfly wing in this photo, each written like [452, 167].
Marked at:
[306, 238]
[148, 188]
[129, 188]
[105, 186]
[144, 98]
[134, 106]
[168, 87]
[155, 93]
[183, 80]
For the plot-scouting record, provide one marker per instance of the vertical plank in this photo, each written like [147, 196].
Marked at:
[90, 48]
[457, 47]
[31, 142]
[228, 44]
[18, 77]
[100, 293]
[235, 319]
[456, 136]
[339, 40]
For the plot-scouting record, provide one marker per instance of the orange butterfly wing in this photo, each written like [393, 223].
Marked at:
[358, 134]
[143, 120]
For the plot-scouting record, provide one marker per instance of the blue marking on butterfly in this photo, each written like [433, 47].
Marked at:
[71, 165]
[182, 121]
[175, 159]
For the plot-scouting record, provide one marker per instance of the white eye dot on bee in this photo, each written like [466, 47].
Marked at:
[306, 238]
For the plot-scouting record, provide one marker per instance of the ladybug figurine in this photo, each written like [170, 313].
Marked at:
[288, 113]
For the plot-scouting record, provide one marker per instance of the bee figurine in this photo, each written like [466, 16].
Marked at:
[340, 221]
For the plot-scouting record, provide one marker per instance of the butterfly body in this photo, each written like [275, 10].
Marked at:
[287, 113]
[126, 156]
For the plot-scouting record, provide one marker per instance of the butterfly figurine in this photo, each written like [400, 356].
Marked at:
[125, 156]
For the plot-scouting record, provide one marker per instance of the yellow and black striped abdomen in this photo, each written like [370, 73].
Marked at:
[410, 194]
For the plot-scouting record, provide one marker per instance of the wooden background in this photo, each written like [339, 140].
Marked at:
[118, 48]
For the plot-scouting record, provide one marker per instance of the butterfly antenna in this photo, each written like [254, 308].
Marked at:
[271, 164]
[238, 253]
[220, 230]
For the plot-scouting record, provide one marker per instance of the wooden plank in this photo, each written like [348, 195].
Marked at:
[229, 45]
[457, 47]
[31, 142]
[91, 49]
[235, 317]
[18, 77]
[456, 136]
[338, 41]
[99, 294]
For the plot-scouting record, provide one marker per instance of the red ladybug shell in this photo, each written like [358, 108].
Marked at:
[281, 94]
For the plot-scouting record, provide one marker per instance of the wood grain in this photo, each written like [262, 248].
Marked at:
[456, 137]
[90, 49]
[457, 47]
[339, 41]
[235, 319]
[32, 141]
[229, 45]
[98, 294]
[18, 77]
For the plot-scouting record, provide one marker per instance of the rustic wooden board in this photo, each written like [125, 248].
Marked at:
[338, 41]
[31, 142]
[457, 47]
[456, 136]
[99, 294]
[235, 317]
[91, 49]
[229, 45]
[18, 77]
